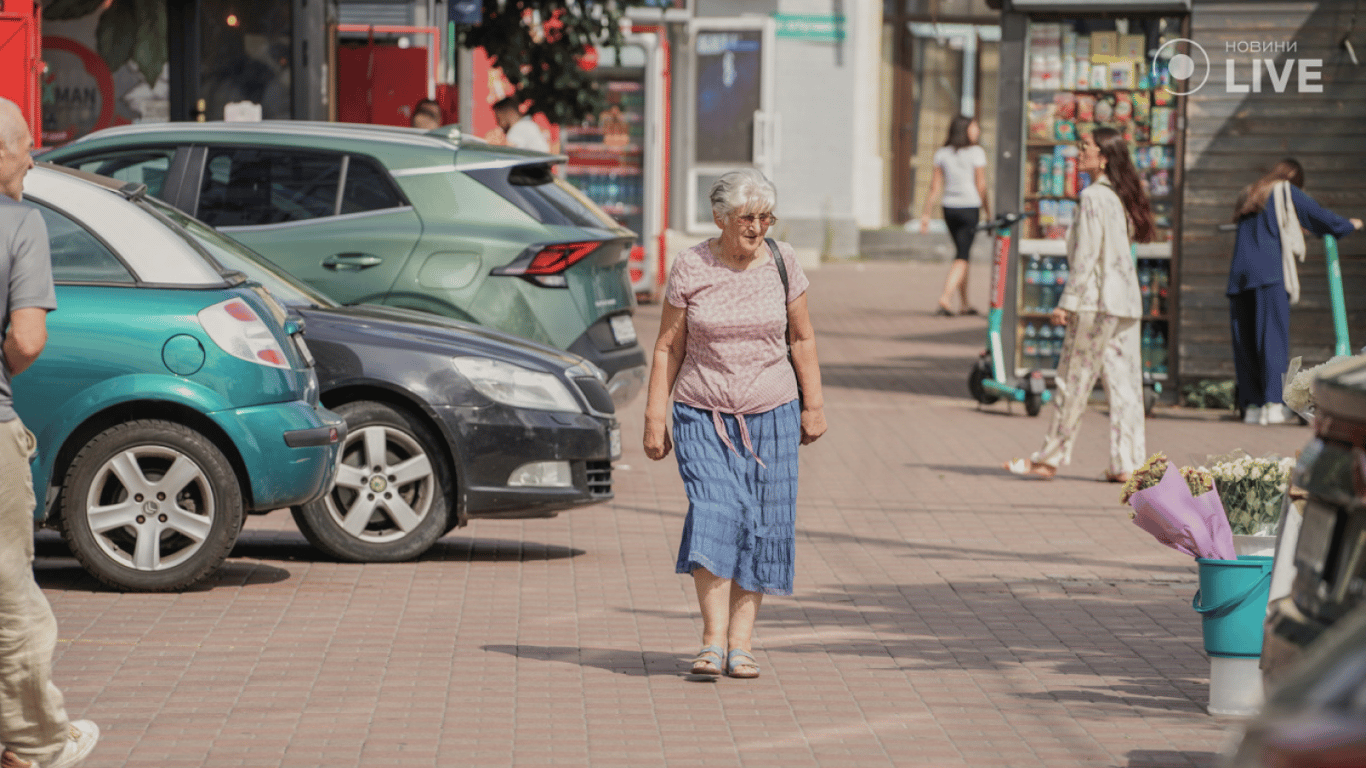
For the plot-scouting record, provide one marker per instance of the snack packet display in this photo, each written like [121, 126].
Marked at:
[1124, 107]
[1142, 102]
[1086, 108]
[1041, 115]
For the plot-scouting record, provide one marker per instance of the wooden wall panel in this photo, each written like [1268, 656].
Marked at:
[1233, 138]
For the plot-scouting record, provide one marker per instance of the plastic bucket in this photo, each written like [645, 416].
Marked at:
[1232, 603]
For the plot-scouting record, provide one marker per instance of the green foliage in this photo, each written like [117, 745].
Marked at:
[127, 29]
[1210, 394]
[541, 59]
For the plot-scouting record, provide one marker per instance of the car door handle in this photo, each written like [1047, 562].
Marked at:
[351, 261]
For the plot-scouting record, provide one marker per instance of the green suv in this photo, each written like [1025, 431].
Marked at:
[427, 221]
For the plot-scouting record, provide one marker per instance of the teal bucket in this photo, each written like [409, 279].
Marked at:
[1232, 603]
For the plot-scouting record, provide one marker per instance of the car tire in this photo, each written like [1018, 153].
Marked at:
[151, 505]
[391, 499]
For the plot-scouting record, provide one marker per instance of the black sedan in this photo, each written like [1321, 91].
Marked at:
[447, 421]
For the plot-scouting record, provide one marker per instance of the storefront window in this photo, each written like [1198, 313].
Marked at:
[247, 48]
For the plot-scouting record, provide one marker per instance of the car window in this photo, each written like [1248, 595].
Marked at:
[77, 255]
[543, 195]
[245, 187]
[368, 188]
[231, 254]
[141, 166]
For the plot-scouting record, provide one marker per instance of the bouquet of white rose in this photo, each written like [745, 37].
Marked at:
[1298, 391]
[1252, 491]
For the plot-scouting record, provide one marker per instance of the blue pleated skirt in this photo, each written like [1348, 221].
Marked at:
[741, 520]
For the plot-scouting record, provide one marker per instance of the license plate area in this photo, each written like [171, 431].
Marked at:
[614, 443]
[623, 329]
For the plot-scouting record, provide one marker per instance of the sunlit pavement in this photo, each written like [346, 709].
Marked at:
[946, 613]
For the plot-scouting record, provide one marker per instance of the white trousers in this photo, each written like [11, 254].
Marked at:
[1098, 345]
[33, 721]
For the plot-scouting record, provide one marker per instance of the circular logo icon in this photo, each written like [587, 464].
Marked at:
[378, 484]
[1183, 66]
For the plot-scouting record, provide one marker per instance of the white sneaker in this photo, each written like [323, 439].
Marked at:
[84, 734]
[1278, 413]
[1253, 415]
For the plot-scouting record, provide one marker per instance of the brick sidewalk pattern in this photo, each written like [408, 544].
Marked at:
[946, 613]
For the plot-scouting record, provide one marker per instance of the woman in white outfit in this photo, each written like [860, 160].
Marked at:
[1101, 307]
[960, 175]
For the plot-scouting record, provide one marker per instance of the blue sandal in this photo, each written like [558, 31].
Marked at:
[711, 656]
[746, 660]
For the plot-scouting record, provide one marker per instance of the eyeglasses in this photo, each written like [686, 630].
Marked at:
[763, 219]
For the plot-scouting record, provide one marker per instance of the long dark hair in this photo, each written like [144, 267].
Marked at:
[958, 132]
[1253, 197]
[1119, 169]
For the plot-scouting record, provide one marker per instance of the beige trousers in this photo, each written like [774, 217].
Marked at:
[1106, 346]
[33, 722]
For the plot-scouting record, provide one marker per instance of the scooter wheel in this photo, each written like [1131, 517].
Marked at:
[981, 371]
[1033, 403]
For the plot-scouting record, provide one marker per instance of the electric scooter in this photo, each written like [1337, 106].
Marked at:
[1330, 253]
[987, 381]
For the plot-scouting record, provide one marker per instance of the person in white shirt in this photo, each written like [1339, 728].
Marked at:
[1101, 307]
[960, 176]
[521, 130]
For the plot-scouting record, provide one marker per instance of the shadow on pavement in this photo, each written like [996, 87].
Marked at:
[1150, 758]
[943, 552]
[292, 546]
[633, 662]
[1096, 646]
[940, 376]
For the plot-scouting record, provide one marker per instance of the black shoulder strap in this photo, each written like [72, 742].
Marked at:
[778, 262]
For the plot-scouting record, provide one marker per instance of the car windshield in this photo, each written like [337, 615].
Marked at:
[235, 256]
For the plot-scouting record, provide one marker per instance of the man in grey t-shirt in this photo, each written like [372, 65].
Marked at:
[34, 727]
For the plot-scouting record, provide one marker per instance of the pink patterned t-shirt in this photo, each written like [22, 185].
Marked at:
[736, 357]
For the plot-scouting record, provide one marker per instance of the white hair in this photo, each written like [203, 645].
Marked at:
[12, 125]
[745, 188]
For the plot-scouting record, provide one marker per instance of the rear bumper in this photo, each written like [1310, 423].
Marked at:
[624, 364]
[495, 441]
[281, 474]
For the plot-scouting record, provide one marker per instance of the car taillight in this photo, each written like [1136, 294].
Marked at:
[236, 328]
[554, 259]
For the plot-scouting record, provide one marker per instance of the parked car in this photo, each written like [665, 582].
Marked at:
[170, 398]
[427, 221]
[447, 420]
[1330, 548]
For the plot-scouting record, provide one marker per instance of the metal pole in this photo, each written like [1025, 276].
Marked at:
[1330, 249]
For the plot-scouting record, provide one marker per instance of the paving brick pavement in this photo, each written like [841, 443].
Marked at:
[946, 614]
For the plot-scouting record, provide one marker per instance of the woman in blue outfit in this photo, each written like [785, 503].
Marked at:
[733, 303]
[1260, 290]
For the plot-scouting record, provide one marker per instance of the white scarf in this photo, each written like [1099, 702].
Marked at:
[1292, 238]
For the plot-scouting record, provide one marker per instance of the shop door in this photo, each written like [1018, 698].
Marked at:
[734, 123]
[942, 70]
[379, 84]
[19, 63]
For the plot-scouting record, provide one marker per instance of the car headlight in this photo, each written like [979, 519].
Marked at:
[516, 386]
[587, 369]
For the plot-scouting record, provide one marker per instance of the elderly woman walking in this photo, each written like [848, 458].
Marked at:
[738, 413]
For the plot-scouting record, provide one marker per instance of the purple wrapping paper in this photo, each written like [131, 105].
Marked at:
[1195, 525]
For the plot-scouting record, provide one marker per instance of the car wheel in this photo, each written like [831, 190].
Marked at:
[151, 505]
[390, 501]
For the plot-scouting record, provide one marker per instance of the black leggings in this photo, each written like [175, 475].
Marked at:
[962, 223]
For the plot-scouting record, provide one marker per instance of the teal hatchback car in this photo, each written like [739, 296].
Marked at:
[170, 400]
[428, 221]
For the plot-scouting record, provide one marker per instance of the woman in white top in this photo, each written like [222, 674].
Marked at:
[1101, 307]
[960, 176]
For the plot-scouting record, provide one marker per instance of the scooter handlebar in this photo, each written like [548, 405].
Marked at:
[1003, 220]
